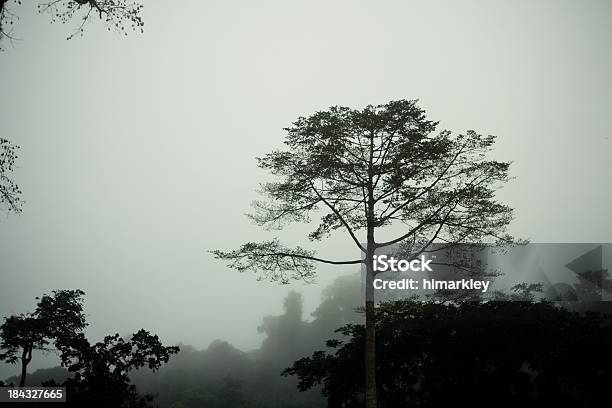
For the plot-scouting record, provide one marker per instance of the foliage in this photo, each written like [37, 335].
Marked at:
[364, 170]
[120, 15]
[57, 320]
[101, 371]
[9, 191]
[494, 353]
[98, 373]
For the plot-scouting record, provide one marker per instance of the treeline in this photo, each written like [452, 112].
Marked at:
[429, 353]
[97, 373]
[224, 376]
[493, 354]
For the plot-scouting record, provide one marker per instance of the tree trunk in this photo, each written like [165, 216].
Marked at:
[371, 399]
[26, 357]
[24, 366]
[370, 342]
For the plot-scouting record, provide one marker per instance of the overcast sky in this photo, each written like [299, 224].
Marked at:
[137, 153]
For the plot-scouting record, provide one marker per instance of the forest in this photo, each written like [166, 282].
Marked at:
[431, 353]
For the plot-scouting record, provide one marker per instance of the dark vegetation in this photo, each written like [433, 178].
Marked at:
[494, 353]
[97, 374]
[499, 354]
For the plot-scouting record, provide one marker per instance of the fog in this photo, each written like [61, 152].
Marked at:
[138, 153]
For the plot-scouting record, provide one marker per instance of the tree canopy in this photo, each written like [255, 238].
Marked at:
[101, 370]
[57, 320]
[434, 354]
[372, 168]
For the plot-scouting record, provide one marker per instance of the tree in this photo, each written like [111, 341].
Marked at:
[9, 191]
[57, 320]
[362, 171]
[117, 14]
[101, 371]
[470, 354]
[286, 335]
[21, 335]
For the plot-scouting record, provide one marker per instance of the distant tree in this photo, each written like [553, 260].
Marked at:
[362, 171]
[340, 305]
[118, 14]
[200, 378]
[57, 321]
[504, 354]
[10, 195]
[286, 335]
[101, 371]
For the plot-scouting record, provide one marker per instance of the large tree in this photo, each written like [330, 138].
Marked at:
[57, 321]
[365, 170]
[118, 14]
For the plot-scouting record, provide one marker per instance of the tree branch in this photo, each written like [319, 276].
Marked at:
[342, 220]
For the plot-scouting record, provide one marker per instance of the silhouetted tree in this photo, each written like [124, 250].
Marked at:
[20, 336]
[101, 370]
[118, 14]
[57, 320]
[362, 171]
[9, 191]
[504, 354]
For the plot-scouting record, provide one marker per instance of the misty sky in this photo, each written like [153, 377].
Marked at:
[138, 153]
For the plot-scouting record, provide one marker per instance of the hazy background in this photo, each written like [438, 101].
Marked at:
[137, 153]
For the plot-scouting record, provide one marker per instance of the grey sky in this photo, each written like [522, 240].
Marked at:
[137, 153]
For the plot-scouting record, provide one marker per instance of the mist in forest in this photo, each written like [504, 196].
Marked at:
[137, 156]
